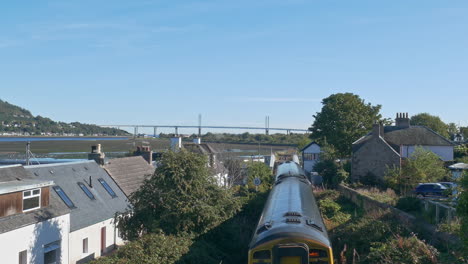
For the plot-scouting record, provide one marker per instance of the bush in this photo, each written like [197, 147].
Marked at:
[402, 250]
[151, 248]
[329, 208]
[409, 204]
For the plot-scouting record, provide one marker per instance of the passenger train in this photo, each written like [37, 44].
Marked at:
[290, 229]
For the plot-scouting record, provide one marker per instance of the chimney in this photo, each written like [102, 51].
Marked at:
[96, 154]
[176, 143]
[402, 120]
[197, 141]
[147, 154]
[377, 129]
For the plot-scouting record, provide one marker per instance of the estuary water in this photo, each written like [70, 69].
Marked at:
[32, 139]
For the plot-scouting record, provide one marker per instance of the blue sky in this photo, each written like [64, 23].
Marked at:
[164, 62]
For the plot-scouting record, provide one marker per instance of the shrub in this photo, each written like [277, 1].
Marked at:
[151, 248]
[329, 208]
[402, 250]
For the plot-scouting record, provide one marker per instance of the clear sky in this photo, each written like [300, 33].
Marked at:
[164, 62]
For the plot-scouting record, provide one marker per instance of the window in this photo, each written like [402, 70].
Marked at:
[85, 245]
[311, 156]
[86, 191]
[107, 187]
[23, 257]
[64, 197]
[52, 252]
[31, 200]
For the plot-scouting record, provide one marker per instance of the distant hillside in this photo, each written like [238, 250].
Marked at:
[15, 120]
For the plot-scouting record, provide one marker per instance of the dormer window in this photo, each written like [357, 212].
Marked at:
[31, 199]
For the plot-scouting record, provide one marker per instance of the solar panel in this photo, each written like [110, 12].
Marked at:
[86, 191]
[107, 187]
[64, 197]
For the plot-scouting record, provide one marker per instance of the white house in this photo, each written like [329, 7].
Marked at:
[310, 156]
[34, 224]
[93, 199]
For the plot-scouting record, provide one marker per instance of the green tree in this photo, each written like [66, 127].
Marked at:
[331, 169]
[344, 118]
[422, 166]
[181, 196]
[261, 171]
[303, 142]
[432, 122]
[462, 210]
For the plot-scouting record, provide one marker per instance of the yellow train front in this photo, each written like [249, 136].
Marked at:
[290, 229]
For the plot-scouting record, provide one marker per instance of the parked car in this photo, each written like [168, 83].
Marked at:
[452, 188]
[431, 189]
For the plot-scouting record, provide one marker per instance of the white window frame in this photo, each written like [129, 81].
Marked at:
[31, 195]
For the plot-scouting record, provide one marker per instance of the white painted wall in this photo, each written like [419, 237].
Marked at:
[33, 238]
[444, 152]
[93, 233]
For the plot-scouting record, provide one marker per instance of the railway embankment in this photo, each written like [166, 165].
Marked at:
[362, 231]
[407, 220]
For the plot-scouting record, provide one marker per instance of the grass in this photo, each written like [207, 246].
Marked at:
[10, 149]
[388, 196]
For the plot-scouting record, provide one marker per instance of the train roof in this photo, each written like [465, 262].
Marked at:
[290, 210]
[289, 169]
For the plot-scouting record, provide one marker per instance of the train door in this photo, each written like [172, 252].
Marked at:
[291, 254]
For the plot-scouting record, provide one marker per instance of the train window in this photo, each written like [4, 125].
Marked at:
[317, 253]
[262, 254]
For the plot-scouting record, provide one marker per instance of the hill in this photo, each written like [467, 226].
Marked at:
[15, 120]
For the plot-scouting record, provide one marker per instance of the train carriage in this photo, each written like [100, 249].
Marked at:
[290, 229]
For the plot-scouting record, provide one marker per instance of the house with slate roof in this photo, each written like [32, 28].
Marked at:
[92, 198]
[386, 146]
[129, 173]
[34, 222]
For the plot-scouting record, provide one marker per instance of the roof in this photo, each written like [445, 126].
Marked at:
[310, 144]
[129, 173]
[412, 135]
[459, 166]
[13, 173]
[17, 175]
[26, 184]
[87, 211]
[202, 148]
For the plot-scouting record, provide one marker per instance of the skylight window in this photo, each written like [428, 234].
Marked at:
[86, 191]
[64, 197]
[107, 187]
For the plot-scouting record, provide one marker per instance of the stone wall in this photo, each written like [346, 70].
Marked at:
[373, 157]
[427, 231]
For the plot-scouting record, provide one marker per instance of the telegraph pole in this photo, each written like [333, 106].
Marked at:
[28, 151]
[199, 125]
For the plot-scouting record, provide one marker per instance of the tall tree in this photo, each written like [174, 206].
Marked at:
[432, 122]
[181, 196]
[344, 118]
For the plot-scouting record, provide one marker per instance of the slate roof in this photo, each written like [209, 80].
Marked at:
[202, 148]
[129, 173]
[308, 145]
[87, 211]
[413, 135]
[10, 175]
